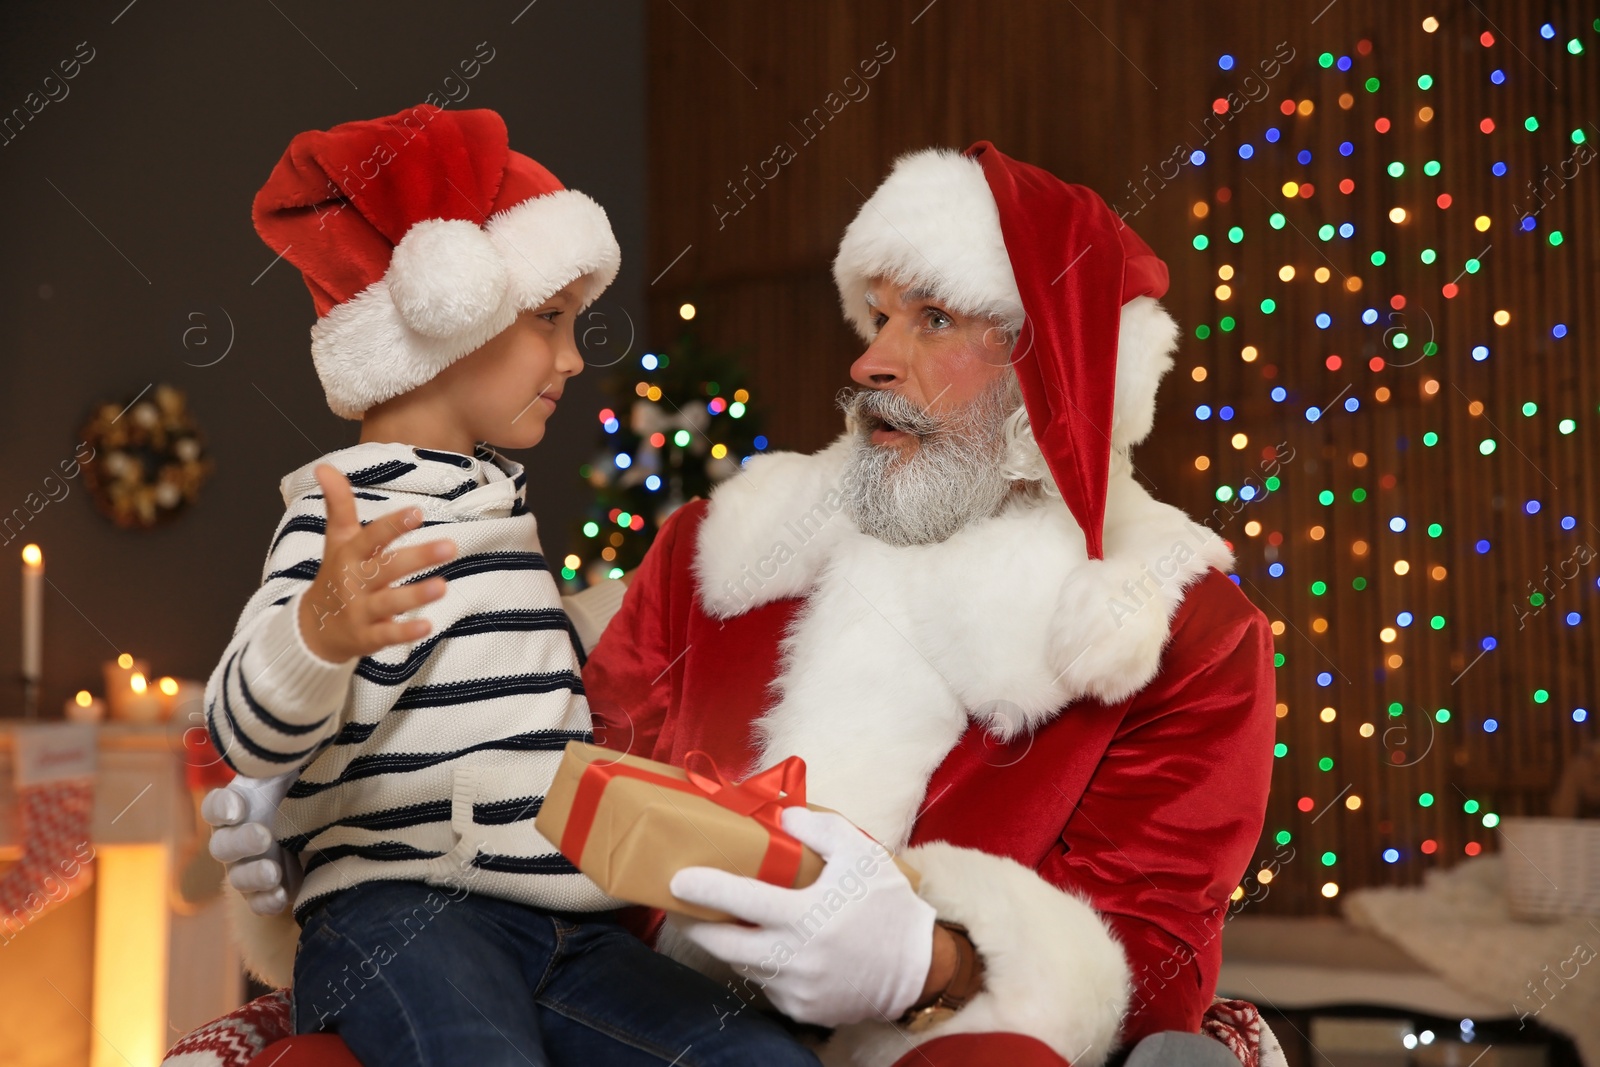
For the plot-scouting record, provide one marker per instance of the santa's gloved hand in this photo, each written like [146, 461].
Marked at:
[854, 945]
[242, 814]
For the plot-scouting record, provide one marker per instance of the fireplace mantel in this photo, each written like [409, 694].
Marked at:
[176, 967]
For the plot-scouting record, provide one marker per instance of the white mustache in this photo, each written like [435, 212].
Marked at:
[955, 475]
[870, 408]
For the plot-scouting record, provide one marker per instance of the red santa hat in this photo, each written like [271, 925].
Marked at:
[994, 236]
[421, 236]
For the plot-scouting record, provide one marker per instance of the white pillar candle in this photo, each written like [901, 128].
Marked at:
[141, 703]
[32, 612]
[119, 678]
[183, 698]
[85, 707]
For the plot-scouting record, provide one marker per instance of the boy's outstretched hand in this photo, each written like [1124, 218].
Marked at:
[348, 610]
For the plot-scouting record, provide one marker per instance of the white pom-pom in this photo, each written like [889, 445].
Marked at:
[445, 277]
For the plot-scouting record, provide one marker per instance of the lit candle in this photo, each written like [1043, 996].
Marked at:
[182, 697]
[85, 708]
[142, 702]
[118, 678]
[32, 624]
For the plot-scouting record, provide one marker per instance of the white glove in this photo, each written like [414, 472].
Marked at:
[242, 814]
[854, 945]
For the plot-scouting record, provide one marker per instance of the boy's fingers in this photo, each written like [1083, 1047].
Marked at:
[366, 578]
[388, 603]
[385, 528]
[386, 634]
[341, 503]
[401, 562]
[380, 633]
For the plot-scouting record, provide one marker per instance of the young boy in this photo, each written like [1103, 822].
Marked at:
[407, 652]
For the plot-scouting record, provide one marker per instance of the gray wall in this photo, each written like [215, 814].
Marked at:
[159, 144]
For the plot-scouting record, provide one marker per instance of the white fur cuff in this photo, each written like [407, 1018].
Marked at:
[1052, 968]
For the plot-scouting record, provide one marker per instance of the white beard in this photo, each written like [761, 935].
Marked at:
[954, 475]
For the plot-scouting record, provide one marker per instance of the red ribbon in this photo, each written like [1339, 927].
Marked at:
[762, 797]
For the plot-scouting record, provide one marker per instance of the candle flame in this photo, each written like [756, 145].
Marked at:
[83, 699]
[169, 686]
[32, 556]
[124, 661]
[137, 681]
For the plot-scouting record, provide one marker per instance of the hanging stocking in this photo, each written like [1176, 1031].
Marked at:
[55, 794]
[199, 880]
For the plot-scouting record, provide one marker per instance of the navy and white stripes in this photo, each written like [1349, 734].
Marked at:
[426, 761]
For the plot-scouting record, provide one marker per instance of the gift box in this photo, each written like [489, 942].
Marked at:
[630, 824]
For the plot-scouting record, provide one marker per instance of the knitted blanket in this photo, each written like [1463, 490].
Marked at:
[1458, 924]
[238, 1037]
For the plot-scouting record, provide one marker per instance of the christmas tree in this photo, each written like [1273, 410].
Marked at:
[678, 422]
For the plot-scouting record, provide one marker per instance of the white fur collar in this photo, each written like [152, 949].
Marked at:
[1005, 623]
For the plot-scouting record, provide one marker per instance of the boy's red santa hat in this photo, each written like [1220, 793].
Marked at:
[990, 235]
[421, 236]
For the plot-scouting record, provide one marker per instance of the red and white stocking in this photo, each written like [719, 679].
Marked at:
[55, 795]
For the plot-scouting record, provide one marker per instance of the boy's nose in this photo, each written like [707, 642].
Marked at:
[569, 361]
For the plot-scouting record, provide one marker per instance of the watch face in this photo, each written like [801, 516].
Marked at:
[933, 1013]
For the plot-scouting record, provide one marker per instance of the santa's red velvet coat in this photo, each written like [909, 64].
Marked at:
[1074, 752]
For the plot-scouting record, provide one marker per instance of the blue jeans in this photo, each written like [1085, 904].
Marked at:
[1177, 1048]
[412, 975]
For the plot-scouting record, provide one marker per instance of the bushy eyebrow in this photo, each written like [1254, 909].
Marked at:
[911, 296]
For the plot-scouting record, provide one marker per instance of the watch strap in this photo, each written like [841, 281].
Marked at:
[965, 983]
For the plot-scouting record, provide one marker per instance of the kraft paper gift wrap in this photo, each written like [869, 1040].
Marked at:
[630, 824]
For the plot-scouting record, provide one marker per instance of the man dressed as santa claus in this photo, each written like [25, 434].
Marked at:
[996, 653]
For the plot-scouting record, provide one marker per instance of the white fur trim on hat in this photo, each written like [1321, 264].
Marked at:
[450, 287]
[933, 223]
[552, 240]
[1146, 338]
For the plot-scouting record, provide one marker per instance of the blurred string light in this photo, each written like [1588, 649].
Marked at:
[680, 433]
[1364, 343]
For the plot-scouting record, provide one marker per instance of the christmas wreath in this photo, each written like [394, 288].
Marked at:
[149, 458]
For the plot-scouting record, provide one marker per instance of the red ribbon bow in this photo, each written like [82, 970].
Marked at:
[762, 797]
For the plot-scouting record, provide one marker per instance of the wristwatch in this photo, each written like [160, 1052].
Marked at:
[965, 984]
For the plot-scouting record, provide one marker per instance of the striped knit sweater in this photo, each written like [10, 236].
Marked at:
[426, 761]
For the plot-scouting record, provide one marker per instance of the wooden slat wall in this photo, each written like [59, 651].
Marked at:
[1096, 91]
